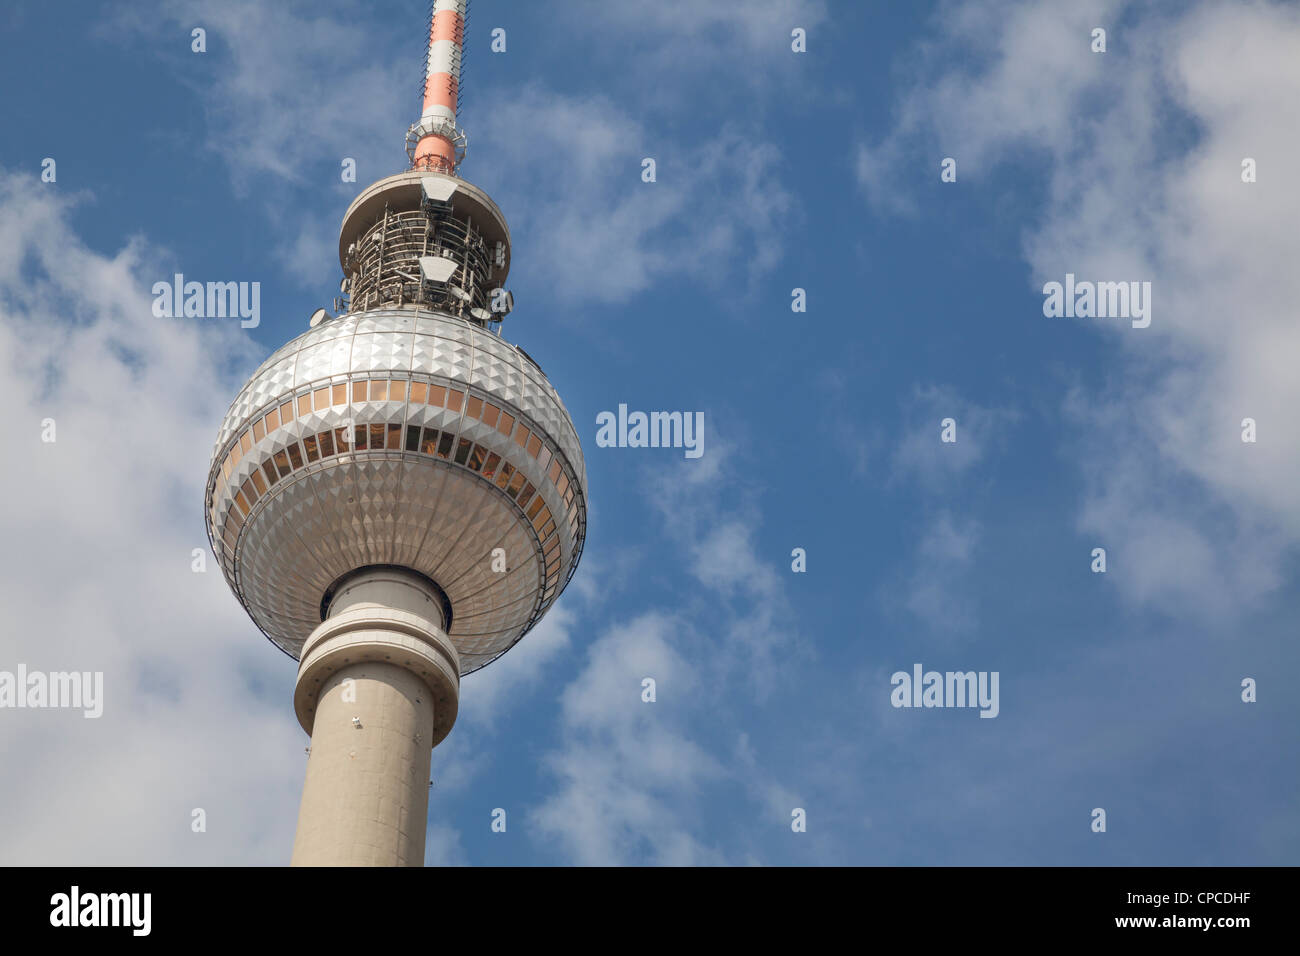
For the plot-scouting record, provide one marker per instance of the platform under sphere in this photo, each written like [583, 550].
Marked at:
[399, 437]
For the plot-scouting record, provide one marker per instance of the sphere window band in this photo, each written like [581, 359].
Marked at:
[391, 436]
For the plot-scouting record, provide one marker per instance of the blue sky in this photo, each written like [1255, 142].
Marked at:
[775, 170]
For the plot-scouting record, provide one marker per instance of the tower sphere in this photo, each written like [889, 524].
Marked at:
[402, 434]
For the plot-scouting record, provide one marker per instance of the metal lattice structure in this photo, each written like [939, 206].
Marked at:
[384, 264]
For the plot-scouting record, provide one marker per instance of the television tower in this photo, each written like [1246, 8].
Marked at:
[398, 494]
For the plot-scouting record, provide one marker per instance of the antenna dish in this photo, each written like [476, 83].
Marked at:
[436, 268]
[317, 317]
[436, 189]
[459, 293]
[483, 315]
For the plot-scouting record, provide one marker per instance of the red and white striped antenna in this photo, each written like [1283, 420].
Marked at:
[436, 142]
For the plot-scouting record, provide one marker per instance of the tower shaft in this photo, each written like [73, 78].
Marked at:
[366, 795]
[377, 688]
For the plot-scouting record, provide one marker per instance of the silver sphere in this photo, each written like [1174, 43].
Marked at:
[407, 438]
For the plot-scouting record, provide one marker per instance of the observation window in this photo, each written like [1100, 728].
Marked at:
[542, 517]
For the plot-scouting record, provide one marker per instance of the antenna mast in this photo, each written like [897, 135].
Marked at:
[436, 142]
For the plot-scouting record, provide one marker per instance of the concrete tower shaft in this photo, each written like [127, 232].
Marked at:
[378, 687]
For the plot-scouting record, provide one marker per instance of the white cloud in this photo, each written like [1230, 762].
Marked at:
[442, 845]
[511, 679]
[693, 56]
[97, 576]
[936, 592]
[1142, 149]
[587, 228]
[631, 774]
[922, 456]
[294, 87]
[628, 769]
